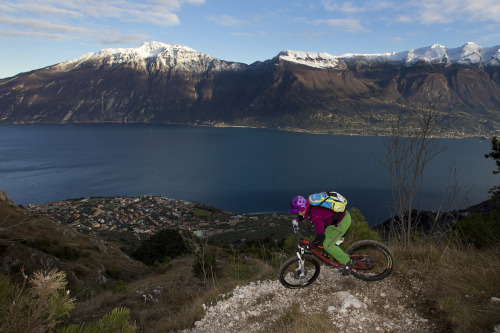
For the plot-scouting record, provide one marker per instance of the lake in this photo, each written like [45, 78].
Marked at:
[238, 169]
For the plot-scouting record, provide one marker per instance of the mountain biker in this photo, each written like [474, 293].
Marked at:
[330, 227]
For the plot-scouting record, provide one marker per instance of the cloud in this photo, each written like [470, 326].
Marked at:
[38, 25]
[359, 6]
[346, 25]
[76, 19]
[425, 12]
[448, 11]
[5, 34]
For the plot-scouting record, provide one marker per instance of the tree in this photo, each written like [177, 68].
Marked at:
[166, 243]
[408, 150]
[205, 264]
[495, 154]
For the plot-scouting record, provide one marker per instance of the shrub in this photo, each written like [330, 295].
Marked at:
[38, 308]
[79, 271]
[359, 230]
[166, 243]
[66, 253]
[118, 320]
[480, 230]
[205, 264]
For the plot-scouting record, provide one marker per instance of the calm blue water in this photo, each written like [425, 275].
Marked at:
[238, 169]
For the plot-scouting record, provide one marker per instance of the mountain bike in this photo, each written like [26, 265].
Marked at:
[374, 262]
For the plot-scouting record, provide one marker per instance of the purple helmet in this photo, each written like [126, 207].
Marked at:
[297, 204]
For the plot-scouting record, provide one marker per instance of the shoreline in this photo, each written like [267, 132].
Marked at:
[283, 129]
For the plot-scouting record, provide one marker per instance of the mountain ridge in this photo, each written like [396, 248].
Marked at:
[470, 53]
[295, 90]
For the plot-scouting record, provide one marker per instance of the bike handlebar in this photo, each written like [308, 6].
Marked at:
[302, 241]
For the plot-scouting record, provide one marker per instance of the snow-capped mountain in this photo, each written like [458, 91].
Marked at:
[468, 54]
[312, 59]
[160, 55]
[351, 93]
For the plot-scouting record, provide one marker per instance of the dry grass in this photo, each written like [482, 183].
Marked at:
[159, 303]
[293, 321]
[468, 279]
[456, 283]
[451, 285]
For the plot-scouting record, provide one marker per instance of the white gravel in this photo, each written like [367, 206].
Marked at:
[351, 304]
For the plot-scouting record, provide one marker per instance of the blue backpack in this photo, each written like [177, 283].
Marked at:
[329, 200]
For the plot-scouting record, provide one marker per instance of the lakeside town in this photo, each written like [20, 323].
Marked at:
[144, 216]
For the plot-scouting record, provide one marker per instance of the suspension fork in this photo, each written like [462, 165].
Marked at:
[300, 255]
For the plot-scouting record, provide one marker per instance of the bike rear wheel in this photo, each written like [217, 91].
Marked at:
[291, 276]
[374, 260]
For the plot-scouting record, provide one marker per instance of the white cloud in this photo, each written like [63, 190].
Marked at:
[40, 26]
[74, 19]
[420, 11]
[5, 34]
[346, 25]
[449, 11]
[353, 7]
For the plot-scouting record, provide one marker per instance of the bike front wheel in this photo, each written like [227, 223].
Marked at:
[292, 276]
[374, 260]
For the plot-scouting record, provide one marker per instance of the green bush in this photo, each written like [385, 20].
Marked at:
[205, 264]
[290, 245]
[166, 243]
[480, 230]
[79, 271]
[118, 320]
[359, 230]
[66, 253]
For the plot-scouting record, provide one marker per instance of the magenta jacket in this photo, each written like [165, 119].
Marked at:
[321, 218]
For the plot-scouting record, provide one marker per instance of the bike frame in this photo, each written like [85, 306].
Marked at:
[318, 252]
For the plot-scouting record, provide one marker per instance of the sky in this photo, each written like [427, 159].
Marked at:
[36, 34]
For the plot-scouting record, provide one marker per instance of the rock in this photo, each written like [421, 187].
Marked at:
[4, 197]
[347, 300]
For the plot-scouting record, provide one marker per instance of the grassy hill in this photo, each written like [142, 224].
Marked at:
[29, 243]
[447, 279]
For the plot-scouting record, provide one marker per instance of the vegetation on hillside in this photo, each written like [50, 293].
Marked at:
[495, 154]
[459, 278]
[457, 272]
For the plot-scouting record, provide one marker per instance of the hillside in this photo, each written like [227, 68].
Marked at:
[427, 291]
[30, 242]
[350, 94]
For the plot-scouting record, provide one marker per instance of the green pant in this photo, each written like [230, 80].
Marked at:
[332, 234]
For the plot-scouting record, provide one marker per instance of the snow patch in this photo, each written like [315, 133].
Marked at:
[468, 54]
[311, 59]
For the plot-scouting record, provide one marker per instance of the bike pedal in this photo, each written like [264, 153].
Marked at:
[326, 254]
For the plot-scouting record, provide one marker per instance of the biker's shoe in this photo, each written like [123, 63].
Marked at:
[326, 254]
[348, 267]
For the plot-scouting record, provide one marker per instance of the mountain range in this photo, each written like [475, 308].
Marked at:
[296, 90]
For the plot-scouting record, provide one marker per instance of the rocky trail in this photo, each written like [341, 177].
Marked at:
[351, 305]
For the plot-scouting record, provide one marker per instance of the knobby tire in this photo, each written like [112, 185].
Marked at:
[289, 273]
[375, 260]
